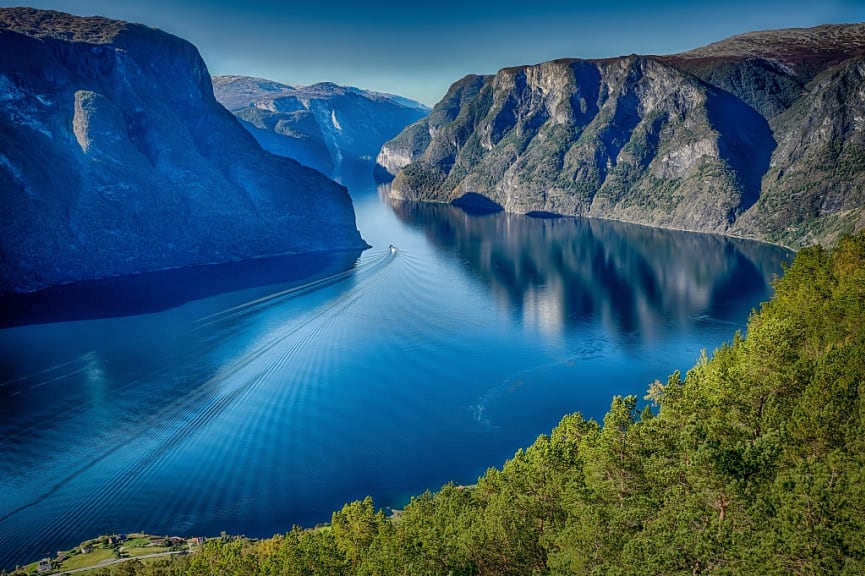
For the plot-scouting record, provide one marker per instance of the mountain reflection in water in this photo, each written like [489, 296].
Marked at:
[556, 273]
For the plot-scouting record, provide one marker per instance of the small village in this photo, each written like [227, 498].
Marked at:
[111, 549]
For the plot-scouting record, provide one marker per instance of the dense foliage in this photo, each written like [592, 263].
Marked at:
[753, 463]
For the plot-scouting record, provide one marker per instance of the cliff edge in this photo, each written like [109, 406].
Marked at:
[115, 158]
[755, 136]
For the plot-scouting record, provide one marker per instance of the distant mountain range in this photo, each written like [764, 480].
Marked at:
[115, 158]
[324, 126]
[761, 135]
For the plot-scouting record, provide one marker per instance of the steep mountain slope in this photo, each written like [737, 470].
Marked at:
[115, 158]
[698, 141]
[769, 70]
[814, 190]
[323, 125]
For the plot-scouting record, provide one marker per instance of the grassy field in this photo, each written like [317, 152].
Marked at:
[136, 546]
[81, 560]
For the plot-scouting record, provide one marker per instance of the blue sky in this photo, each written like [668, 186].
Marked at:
[419, 49]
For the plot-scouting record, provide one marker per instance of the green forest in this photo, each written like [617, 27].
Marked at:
[751, 463]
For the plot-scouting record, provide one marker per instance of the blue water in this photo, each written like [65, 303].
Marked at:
[252, 397]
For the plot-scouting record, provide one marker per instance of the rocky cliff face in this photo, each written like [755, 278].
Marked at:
[814, 190]
[115, 158]
[323, 126]
[713, 140]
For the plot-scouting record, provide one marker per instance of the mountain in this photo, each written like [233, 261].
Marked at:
[758, 135]
[323, 125]
[814, 189]
[115, 158]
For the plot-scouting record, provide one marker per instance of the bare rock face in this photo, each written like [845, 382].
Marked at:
[324, 126]
[632, 139]
[694, 141]
[409, 145]
[814, 190]
[115, 158]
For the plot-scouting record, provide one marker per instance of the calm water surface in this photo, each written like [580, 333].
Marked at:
[249, 398]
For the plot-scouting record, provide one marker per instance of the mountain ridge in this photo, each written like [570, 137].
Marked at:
[680, 141]
[322, 125]
[115, 159]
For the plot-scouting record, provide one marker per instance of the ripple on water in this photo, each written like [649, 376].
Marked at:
[259, 408]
